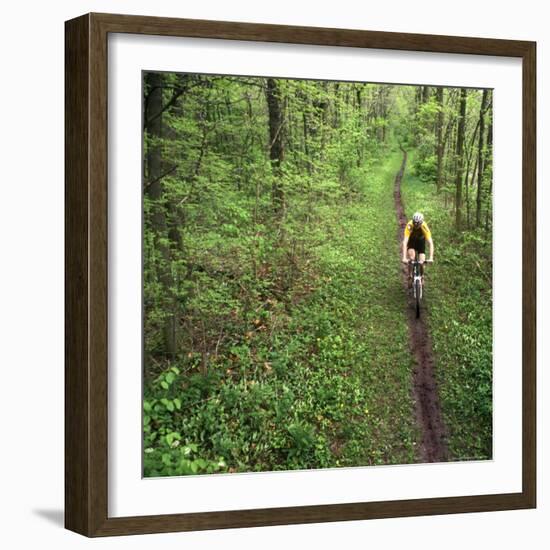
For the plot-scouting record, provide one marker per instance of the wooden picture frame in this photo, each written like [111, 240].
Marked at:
[86, 282]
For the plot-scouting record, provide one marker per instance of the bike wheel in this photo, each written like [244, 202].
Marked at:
[418, 294]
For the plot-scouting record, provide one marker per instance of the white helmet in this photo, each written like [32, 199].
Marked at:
[418, 218]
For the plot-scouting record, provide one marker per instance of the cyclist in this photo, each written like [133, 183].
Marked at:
[414, 239]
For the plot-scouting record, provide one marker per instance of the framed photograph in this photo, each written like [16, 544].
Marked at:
[300, 275]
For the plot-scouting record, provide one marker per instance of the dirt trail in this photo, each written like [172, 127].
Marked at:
[428, 410]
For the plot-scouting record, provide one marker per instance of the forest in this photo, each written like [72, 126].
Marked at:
[275, 326]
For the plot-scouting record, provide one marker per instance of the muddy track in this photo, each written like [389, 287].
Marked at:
[428, 409]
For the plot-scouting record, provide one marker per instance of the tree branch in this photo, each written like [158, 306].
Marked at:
[149, 183]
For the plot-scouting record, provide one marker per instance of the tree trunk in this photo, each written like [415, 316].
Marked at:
[336, 105]
[439, 138]
[153, 173]
[459, 160]
[306, 143]
[489, 171]
[418, 97]
[481, 156]
[469, 183]
[425, 94]
[276, 144]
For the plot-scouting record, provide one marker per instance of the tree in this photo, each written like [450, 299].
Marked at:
[153, 117]
[489, 171]
[440, 145]
[459, 155]
[276, 143]
[481, 156]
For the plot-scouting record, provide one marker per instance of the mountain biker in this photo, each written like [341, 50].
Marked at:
[415, 236]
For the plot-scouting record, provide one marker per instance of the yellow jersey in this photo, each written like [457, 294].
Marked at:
[410, 229]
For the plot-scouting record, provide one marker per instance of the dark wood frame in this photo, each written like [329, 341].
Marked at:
[86, 274]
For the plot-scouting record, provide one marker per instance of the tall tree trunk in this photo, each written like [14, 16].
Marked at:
[379, 113]
[276, 143]
[489, 171]
[469, 183]
[481, 156]
[336, 106]
[153, 180]
[425, 94]
[384, 112]
[306, 143]
[418, 97]
[359, 102]
[459, 160]
[439, 138]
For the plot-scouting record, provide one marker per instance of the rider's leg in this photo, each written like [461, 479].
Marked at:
[422, 258]
[410, 255]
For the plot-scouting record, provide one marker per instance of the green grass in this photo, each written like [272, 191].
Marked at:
[459, 301]
[322, 381]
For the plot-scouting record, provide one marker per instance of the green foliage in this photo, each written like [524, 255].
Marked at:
[274, 334]
[425, 165]
[459, 298]
[298, 385]
[426, 168]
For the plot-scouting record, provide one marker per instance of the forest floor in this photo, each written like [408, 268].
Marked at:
[426, 395]
[331, 379]
[327, 382]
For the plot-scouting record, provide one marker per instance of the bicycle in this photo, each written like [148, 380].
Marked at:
[417, 282]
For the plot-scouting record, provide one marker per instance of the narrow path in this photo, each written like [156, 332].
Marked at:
[428, 409]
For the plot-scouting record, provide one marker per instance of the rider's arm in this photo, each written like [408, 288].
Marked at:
[404, 249]
[428, 237]
[406, 235]
[431, 245]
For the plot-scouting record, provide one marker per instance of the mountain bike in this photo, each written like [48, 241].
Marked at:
[417, 282]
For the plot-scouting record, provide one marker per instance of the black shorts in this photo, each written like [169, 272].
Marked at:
[417, 243]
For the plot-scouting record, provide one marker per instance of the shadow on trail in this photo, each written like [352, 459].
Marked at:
[428, 409]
